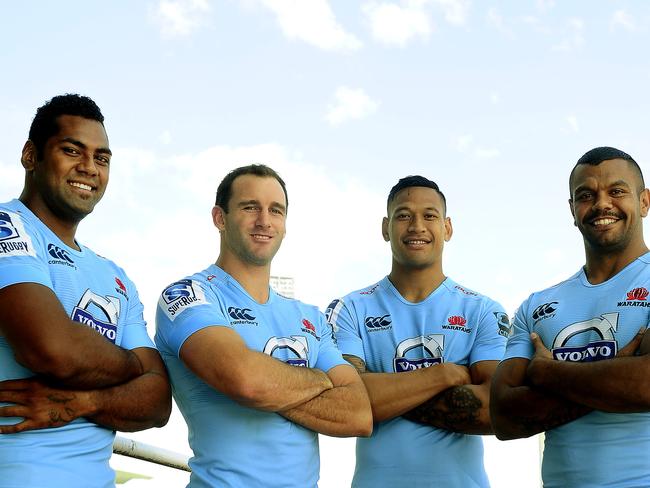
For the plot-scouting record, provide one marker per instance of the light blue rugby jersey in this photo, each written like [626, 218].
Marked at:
[392, 335]
[93, 291]
[237, 446]
[579, 321]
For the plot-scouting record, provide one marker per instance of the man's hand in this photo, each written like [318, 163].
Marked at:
[40, 406]
[542, 354]
[632, 348]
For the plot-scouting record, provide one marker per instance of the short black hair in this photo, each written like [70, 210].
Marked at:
[45, 123]
[224, 191]
[411, 181]
[604, 153]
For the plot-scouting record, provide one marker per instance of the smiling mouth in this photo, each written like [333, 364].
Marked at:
[603, 221]
[260, 237]
[415, 242]
[81, 186]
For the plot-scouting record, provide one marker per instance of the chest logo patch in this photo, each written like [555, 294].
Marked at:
[100, 313]
[419, 352]
[292, 350]
[604, 347]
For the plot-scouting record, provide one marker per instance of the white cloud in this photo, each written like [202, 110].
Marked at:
[495, 19]
[572, 120]
[350, 104]
[165, 137]
[486, 153]
[544, 5]
[314, 22]
[455, 11]
[394, 24]
[622, 19]
[463, 142]
[495, 98]
[180, 18]
[574, 38]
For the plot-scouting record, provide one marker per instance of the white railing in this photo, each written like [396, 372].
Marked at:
[147, 452]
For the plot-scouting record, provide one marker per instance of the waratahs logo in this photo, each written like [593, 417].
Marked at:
[419, 352]
[382, 322]
[591, 340]
[636, 298]
[457, 322]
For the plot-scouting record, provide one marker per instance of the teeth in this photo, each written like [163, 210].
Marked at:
[604, 221]
[81, 185]
[264, 238]
[416, 242]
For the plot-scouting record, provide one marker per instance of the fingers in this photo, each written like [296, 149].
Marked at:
[634, 344]
[537, 342]
[13, 429]
[23, 384]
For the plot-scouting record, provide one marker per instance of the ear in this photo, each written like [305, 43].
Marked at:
[218, 218]
[573, 213]
[449, 229]
[28, 156]
[384, 229]
[644, 202]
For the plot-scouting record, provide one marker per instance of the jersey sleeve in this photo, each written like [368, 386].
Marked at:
[493, 328]
[185, 307]
[328, 354]
[345, 329]
[135, 328]
[519, 343]
[22, 258]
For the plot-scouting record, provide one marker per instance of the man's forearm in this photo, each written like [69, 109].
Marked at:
[621, 384]
[463, 409]
[341, 411]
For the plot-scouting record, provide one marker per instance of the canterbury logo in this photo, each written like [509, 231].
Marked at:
[58, 253]
[456, 320]
[375, 322]
[544, 310]
[240, 313]
[637, 294]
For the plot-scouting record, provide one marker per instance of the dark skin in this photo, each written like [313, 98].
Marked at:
[78, 372]
[608, 203]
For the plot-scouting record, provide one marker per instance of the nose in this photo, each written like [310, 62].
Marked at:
[603, 201]
[263, 218]
[416, 224]
[87, 165]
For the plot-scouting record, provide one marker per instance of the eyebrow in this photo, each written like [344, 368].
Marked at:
[102, 150]
[404, 207]
[277, 205]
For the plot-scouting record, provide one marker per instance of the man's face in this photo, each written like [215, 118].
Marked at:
[416, 227]
[255, 224]
[607, 205]
[71, 174]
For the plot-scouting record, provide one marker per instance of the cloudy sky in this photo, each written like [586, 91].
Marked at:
[493, 100]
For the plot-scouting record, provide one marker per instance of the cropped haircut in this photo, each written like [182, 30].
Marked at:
[45, 123]
[411, 181]
[599, 154]
[224, 191]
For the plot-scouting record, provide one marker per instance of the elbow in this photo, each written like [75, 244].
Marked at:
[50, 362]
[363, 425]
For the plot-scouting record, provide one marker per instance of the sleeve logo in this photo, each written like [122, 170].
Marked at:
[14, 241]
[181, 295]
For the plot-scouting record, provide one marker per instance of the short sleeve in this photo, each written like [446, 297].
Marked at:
[519, 344]
[185, 307]
[345, 329]
[493, 327]
[328, 354]
[135, 328]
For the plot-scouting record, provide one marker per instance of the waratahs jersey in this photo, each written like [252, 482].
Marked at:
[393, 335]
[233, 445]
[579, 321]
[97, 294]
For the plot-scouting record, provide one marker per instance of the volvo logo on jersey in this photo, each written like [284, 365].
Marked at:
[576, 342]
[419, 352]
[638, 297]
[292, 350]
[99, 313]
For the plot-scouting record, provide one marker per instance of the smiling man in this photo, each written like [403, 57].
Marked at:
[577, 364]
[256, 375]
[426, 348]
[75, 358]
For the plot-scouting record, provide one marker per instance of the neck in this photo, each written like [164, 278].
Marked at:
[600, 266]
[254, 279]
[416, 284]
[64, 230]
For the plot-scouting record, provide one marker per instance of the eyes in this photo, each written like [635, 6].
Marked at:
[586, 195]
[257, 208]
[404, 216]
[101, 159]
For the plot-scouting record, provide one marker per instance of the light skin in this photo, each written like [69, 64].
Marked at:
[446, 396]
[251, 232]
[78, 372]
[608, 203]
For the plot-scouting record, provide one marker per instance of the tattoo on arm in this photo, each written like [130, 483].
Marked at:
[453, 409]
[357, 362]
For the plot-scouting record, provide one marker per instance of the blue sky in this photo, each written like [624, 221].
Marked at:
[493, 100]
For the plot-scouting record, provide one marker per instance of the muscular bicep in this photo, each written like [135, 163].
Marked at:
[358, 363]
[482, 372]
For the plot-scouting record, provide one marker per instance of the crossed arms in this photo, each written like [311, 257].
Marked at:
[333, 402]
[447, 396]
[78, 372]
[531, 396]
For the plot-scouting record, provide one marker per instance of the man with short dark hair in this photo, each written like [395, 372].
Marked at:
[426, 348]
[75, 357]
[570, 367]
[256, 375]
